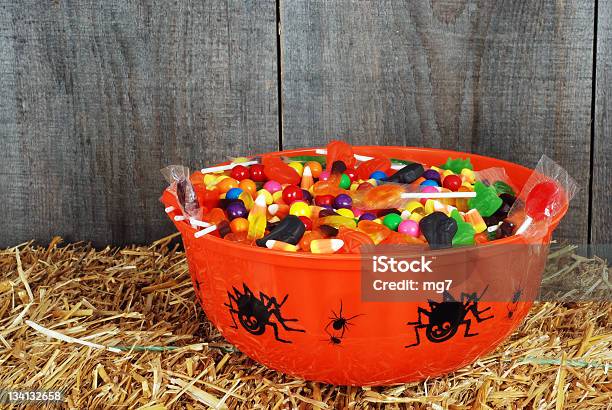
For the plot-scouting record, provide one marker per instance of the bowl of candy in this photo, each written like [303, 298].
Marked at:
[277, 244]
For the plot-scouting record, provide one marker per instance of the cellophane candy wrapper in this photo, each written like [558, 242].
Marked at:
[178, 178]
[498, 178]
[546, 172]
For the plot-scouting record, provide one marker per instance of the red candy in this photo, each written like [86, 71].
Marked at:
[277, 170]
[208, 198]
[307, 222]
[351, 173]
[542, 199]
[452, 182]
[292, 193]
[324, 200]
[365, 169]
[340, 151]
[240, 172]
[257, 173]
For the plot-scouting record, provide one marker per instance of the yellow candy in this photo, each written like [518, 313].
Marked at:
[353, 186]
[468, 175]
[435, 168]
[326, 245]
[430, 206]
[378, 221]
[281, 246]
[447, 172]
[337, 221]
[414, 206]
[346, 212]
[297, 166]
[277, 196]
[268, 195]
[210, 180]
[247, 199]
[474, 218]
[416, 217]
[299, 208]
[239, 160]
[372, 181]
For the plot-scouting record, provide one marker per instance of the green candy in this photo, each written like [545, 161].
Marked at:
[465, 231]
[345, 181]
[502, 188]
[456, 165]
[392, 221]
[306, 158]
[486, 200]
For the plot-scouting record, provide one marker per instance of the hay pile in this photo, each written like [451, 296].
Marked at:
[164, 354]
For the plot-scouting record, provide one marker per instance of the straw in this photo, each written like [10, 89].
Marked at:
[227, 167]
[362, 158]
[436, 195]
[140, 301]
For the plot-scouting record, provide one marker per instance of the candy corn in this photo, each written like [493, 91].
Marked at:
[326, 245]
[281, 246]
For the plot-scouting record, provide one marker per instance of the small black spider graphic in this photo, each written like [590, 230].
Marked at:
[254, 313]
[339, 325]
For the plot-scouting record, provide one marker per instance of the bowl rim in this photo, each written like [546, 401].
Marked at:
[350, 257]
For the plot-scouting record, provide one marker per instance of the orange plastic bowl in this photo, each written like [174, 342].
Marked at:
[280, 308]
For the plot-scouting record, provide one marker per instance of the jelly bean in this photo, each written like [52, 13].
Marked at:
[345, 181]
[368, 216]
[267, 194]
[432, 175]
[392, 221]
[407, 174]
[297, 166]
[272, 186]
[233, 193]
[378, 175]
[486, 200]
[288, 230]
[239, 225]
[326, 245]
[429, 182]
[337, 221]
[236, 209]
[324, 200]
[292, 193]
[465, 232]
[277, 197]
[438, 229]
[276, 169]
[256, 173]
[299, 208]
[306, 221]
[247, 200]
[327, 212]
[247, 185]
[409, 227]
[357, 212]
[308, 237]
[375, 231]
[240, 172]
[306, 196]
[415, 217]
[452, 182]
[343, 201]
[280, 245]
[346, 213]
[353, 240]
[226, 184]
[315, 168]
[338, 168]
[328, 231]
[223, 228]
[414, 206]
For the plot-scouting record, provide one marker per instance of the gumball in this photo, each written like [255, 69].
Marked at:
[392, 221]
[345, 181]
[272, 186]
[236, 210]
[343, 201]
[324, 175]
[307, 196]
[368, 216]
[239, 225]
[247, 185]
[431, 174]
[409, 227]
[299, 168]
[233, 193]
[240, 172]
[351, 173]
[226, 184]
[315, 168]
[452, 182]
[378, 175]
[306, 221]
[324, 200]
[299, 208]
[428, 190]
[256, 172]
[429, 182]
[292, 193]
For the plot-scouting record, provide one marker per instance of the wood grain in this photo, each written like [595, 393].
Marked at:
[506, 79]
[601, 233]
[98, 96]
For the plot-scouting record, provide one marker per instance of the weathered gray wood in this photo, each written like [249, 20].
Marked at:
[601, 232]
[96, 97]
[506, 79]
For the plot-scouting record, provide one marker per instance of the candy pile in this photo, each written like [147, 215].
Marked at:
[337, 201]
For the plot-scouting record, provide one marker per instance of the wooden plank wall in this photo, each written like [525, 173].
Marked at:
[96, 97]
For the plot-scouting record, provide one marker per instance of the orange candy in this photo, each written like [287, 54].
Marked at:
[214, 216]
[315, 168]
[396, 238]
[226, 184]
[353, 240]
[239, 225]
[308, 237]
[377, 232]
[196, 178]
[249, 186]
